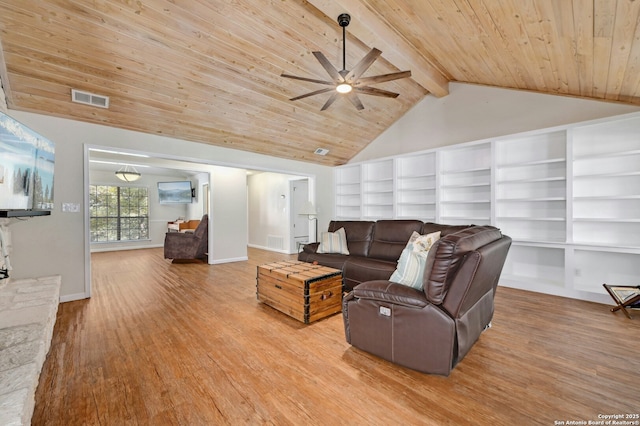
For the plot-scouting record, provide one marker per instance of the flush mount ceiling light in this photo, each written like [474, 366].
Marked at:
[349, 83]
[128, 174]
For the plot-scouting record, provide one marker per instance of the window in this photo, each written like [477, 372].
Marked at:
[118, 213]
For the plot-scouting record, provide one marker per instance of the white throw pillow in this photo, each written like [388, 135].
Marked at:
[334, 242]
[411, 265]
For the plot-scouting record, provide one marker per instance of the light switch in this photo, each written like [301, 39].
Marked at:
[71, 207]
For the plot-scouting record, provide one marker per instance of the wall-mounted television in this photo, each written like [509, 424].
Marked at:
[178, 192]
[26, 170]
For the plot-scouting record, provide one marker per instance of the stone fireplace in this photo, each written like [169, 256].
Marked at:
[28, 309]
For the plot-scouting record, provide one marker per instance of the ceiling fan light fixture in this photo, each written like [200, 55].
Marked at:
[346, 81]
[344, 88]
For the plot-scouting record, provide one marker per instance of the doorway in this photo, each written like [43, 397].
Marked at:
[301, 227]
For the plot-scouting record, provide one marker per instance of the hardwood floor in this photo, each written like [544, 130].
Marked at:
[188, 344]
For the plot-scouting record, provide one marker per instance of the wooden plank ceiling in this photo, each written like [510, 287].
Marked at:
[209, 71]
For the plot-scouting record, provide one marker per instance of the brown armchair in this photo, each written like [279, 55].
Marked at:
[183, 246]
[431, 330]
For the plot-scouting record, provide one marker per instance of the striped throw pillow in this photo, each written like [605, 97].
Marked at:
[412, 262]
[334, 242]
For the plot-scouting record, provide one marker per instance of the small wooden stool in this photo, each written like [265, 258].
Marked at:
[625, 296]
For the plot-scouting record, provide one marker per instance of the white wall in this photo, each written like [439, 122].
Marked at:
[269, 214]
[159, 214]
[195, 210]
[471, 113]
[228, 219]
[55, 245]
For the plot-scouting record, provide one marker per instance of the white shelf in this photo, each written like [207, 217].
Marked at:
[425, 188]
[471, 185]
[605, 219]
[465, 201]
[471, 170]
[520, 200]
[417, 176]
[532, 163]
[533, 218]
[378, 180]
[533, 242]
[600, 156]
[478, 218]
[547, 179]
[606, 175]
[607, 197]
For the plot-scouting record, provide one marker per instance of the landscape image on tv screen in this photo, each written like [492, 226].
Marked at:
[26, 167]
[174, 192]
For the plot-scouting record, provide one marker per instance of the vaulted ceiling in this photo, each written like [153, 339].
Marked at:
[210, 71]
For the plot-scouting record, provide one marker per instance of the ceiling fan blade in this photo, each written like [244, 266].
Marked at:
[317, 92]
[355, 100]
[312, 80]
[331, 100]
[333, 72]
[383, 77]
[363, 65]
[376, 92]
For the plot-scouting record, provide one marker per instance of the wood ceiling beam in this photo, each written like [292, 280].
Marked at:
[372, 30]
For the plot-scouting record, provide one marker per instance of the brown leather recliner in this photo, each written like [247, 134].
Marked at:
[431, 330]
[186, 246]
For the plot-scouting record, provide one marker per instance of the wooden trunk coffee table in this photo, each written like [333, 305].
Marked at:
[304, 291]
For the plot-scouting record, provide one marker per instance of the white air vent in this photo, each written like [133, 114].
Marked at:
[321, 151]
[89, 99]
[275, 242]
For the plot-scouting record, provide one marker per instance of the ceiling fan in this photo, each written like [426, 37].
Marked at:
[349, 83]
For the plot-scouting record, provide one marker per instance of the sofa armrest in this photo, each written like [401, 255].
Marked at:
[310, 248]
[389, 292]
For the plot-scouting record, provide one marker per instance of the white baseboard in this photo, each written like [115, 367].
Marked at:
[229, 260]
[127, 247]
[73, 297]
[270, 249]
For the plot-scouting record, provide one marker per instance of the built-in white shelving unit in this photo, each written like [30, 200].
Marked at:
[465, 185]
[568, 196]
[531, 187]
[606, 184]
[606, 204]
[378, 190]
[348, 193]
[416, 187]
[531, 207]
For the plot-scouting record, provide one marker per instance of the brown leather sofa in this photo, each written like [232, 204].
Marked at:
[374, 248]
[431, 330]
